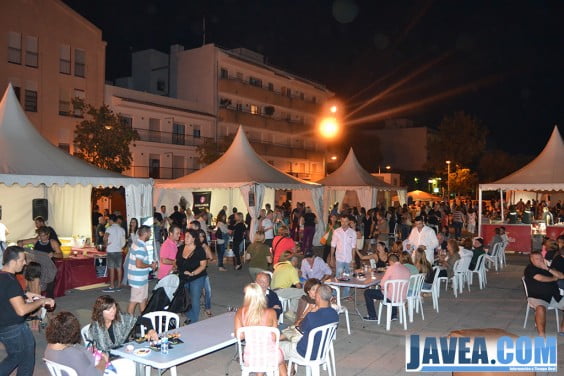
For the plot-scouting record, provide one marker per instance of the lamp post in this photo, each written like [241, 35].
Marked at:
[448, 180]
[388, 167]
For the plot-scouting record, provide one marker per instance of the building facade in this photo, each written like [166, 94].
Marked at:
[169, 129]
[51, 54]
[278, 110]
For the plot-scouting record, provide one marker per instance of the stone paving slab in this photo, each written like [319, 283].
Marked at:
[369, 350]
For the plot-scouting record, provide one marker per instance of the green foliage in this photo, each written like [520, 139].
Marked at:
[102, 138]
[463, 181]
[210, 150]
[461, 139]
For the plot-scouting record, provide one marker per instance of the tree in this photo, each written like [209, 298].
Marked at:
[496, 164]
[461, 139]
[210, 150]
[463, 181]
[103, 138]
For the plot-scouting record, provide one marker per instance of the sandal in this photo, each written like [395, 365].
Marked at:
[209, 313]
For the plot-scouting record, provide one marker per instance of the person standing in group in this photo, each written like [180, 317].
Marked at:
[169, 249]
[343, 247]
[258, 255]
[15, 335]
[331, 225]
[310, 220]
[268, 228]
[282, 243]
[3, 233]
[423, 235]
[192, 263]
[222, 240]
[239, 230]
[458, 221]
[140, 266]
[114, 240]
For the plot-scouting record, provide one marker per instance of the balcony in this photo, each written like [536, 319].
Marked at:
[274, 149]
[230, 114]
[168, 137]
[158, 172]
[263, 95]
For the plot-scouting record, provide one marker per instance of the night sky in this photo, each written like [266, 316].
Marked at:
[502, 61]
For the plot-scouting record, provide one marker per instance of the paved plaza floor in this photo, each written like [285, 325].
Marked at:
[369, 350]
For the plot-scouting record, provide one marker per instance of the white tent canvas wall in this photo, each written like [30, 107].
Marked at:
[239, 171]
[31, 167]
[352, 177]
[544, 174]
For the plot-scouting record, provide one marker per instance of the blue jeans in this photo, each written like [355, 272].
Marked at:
[343, 267]
[207, 288]
[20, 346]
[195, 288]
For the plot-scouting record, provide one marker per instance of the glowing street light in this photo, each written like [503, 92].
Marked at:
[333, 109]
[329, 127]
[333, 157]
[448, 179]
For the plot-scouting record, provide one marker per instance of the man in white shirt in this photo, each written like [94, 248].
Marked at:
[343, 247]
[423, 235]
[268, 228]
[114, 240]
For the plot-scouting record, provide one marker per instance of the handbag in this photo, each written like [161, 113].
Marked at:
[324, 238]
[181, 301]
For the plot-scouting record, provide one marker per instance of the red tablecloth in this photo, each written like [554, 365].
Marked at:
[76, 271]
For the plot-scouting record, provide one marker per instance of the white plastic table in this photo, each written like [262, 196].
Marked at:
[356, 284]
[200, 338]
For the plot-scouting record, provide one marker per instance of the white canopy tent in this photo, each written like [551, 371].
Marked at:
[545, 173]
[239, 171]
[31, 167]
[351, 176]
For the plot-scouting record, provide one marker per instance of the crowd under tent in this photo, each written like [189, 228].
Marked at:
[239, 178]
[33, 168]
[352, 179]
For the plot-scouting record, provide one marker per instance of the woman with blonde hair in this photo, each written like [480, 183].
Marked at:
[258, 255]
[254, 312]
[424, 266]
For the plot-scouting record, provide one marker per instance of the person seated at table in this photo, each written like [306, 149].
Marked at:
[405, 259]
[258, 255]
[542, 289]
[315, 267]
[397, 247]
[551, 250]
[64, 347]
[44, 242]
[395, 271]
[282, 243]
[477, 250]
[272, 299]
[306, 304]
[286, 280]
[465, 249]
[424, 266]
[380, 257]
[110, 327]
[254, 312]
[448, 262]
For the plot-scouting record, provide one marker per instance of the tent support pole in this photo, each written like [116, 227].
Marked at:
[479, 211]
[501, 204]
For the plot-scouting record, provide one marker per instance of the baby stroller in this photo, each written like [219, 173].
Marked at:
[163, 294]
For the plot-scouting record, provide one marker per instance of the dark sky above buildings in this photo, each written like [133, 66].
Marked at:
[501, 61]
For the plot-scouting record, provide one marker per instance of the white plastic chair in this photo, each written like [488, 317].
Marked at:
[479, 269]
[549, 308]
[257, 337]
[84, 334]
[502, 260]
[414, 295]
[56, 369]
[461, 275]
[435, 288]
[161, 321]
[495, 257]
[397, 299]
[340, 308]
[323, 355]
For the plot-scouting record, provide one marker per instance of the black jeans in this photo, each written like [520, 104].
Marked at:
[375, 294]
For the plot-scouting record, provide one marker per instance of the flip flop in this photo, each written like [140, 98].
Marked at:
[209, 313]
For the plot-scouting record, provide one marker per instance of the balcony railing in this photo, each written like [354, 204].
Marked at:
[159, 172]
[168, 137]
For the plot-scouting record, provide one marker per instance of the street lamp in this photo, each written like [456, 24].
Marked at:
[448, 180]
[388, 167]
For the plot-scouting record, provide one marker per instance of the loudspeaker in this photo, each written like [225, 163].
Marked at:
[40, 207]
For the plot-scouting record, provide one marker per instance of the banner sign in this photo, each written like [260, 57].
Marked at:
[480, 354]
[554, 232]
[202, 200]
[101, 267]
[519, 236]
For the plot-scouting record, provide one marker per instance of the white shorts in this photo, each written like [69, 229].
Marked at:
[139, 294]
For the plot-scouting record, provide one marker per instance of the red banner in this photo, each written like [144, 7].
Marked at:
[554, 232]
[519, 236]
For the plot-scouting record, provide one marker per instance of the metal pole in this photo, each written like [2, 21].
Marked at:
[479, 211]
[448, 181]
[501, 204]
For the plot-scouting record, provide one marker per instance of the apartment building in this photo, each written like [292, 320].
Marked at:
[169, 129]
[278, 110]
[51, 54]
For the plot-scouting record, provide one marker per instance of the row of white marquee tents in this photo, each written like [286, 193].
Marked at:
[31, 168]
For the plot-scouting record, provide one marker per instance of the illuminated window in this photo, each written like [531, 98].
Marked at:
[14, 47]
[254, 109]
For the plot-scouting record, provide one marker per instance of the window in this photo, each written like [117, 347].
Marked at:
[14, 47]
[255, 109]
[30, 100]
[224, 73]
[178, 133]
[177, 166]
[154, 167]
[126, 121]
[239, 107]
[255, 81]
[270, 86]
[154, 130]
[80, 95]
[161, 86]
[302, 96]
[64, 102]
[65, 147]
[64, 59]
[31, 52]
[240, 76]
[79, 63]
[196, 131]
[17, 91]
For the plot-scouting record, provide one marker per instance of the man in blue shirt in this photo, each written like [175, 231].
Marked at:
[138, 270]
[323, 316]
